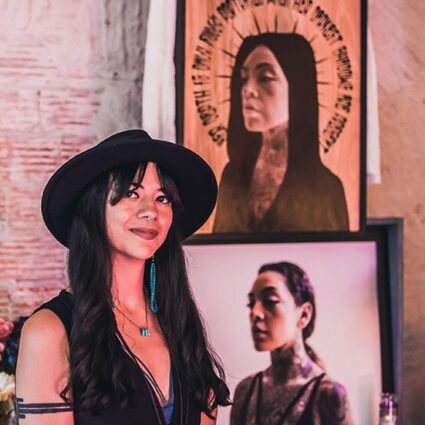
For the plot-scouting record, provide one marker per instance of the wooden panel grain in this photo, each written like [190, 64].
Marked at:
[214, 31]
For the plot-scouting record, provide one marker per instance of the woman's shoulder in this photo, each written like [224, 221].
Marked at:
[243, 393]
[328, 178]
[58, 309]
[330, 386]
[43, 326]
[245, 385]
[332, 402]
[43, 337]
[42, 369]
[230, 175]
[43, 341]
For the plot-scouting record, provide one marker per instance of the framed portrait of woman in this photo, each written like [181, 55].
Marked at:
[354, 335]
[272, 95]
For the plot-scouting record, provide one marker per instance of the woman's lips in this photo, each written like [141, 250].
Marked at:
[258, 333]
[250, 110]
[145, 233]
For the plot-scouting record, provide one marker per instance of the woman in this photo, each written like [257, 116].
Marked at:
[294, 389]
[275, 180]
[125, 343]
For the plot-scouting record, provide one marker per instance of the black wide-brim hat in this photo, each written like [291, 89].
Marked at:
[193, 176]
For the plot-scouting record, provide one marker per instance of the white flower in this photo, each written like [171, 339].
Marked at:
[7, 386]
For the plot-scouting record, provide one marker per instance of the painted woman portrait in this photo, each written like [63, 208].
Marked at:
[275, 179]
[295, 389]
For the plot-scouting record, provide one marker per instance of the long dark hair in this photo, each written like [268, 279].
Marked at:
[300, 287]
[296, 58]
[97, 364]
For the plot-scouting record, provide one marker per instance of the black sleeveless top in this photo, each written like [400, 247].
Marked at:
[146, 409]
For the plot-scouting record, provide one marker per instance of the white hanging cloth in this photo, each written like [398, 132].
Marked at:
[373, 163]
[159, 93]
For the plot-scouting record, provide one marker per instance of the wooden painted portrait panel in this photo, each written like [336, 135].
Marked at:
[272, 99]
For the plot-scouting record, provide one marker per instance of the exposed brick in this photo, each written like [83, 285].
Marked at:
[70, 74]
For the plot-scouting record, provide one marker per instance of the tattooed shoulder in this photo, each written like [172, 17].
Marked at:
[240, 395]
[332, 404]
[246, 383]
[242, 388]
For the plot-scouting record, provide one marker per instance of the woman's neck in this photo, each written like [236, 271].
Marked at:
[268, 174]
[276, 138]
[127, 283]
[290, 362]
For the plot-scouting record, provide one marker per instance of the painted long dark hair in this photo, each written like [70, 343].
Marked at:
[296, 58]
[300, 287]
[97, 364]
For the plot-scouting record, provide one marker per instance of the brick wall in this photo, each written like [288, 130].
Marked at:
[70, 74]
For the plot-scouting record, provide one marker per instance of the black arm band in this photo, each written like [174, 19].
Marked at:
[24, 409]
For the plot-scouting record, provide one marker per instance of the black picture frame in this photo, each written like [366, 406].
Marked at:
[387, 234]
[181, 90]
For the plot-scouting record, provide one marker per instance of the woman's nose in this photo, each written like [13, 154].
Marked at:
[257, 311]
[147, 210]
[249, 88]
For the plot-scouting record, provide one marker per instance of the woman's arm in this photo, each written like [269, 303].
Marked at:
[43, 371]
[205, 420]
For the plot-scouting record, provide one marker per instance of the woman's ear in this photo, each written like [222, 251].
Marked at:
[306, 312]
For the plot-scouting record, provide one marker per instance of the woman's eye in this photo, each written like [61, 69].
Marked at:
[266, 77]
[131, 194]
[163, 199]
[271, 302]
[250, 304]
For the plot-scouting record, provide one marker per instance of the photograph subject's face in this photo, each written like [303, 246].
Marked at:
[139, 223]
[264, 91]
[273, 313]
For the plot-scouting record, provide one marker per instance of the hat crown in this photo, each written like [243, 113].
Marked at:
[125, 137]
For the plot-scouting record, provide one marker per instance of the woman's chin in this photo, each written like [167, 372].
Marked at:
[254, 124]
[261, 345]
[257, 124]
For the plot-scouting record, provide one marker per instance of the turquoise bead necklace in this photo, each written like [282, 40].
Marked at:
[143, 330]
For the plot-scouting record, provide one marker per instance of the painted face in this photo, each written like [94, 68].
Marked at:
[274, 316]
[264, 91]
[139, 223]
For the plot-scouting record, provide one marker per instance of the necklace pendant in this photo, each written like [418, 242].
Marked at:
[144, 332]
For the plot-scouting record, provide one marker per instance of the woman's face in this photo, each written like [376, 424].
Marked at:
[264, 91]
[139, 223]
[275, 318]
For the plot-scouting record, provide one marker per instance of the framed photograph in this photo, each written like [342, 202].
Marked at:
[357, 285]
[272, 95]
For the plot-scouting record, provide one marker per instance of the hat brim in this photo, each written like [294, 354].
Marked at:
[193, 176]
